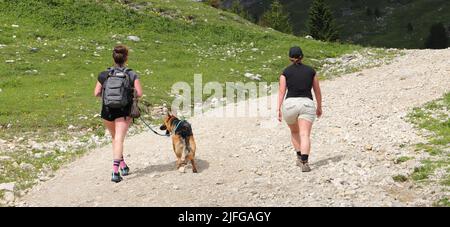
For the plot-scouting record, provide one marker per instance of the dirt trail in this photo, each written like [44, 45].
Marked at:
[249, 161]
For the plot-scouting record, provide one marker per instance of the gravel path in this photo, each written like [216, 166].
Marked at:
[249, 161]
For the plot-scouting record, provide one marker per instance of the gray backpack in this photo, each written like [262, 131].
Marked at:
[117, 89]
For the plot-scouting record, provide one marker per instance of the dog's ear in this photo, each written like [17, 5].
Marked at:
[163, 127]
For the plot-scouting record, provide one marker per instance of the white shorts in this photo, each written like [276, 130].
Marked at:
[298, 108]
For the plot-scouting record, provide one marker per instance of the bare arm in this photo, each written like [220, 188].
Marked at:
[318, 95]
[98, 89]
[138, 87]
[281, 94]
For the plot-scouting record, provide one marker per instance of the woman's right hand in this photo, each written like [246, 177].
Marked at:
[319, 111]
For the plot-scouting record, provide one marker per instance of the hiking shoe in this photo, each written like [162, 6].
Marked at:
[125, 171]
[299, 162]
[116, 177]
[304, 165]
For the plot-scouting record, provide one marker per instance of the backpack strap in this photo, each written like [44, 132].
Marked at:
[110, 71]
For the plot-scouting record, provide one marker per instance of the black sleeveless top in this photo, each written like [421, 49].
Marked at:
[299, 80]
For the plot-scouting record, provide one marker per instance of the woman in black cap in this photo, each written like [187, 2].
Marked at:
[297, 108]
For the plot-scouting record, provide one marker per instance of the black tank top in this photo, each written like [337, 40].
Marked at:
[299, 80]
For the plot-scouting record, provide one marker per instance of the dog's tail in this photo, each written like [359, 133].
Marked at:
[188, 146]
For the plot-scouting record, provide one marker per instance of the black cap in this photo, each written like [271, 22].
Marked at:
[295, 52]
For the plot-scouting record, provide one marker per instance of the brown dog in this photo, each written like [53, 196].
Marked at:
[182, 140]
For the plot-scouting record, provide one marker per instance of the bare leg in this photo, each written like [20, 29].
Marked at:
[121, 131]
[295, 136]
[305, 132]
[110, 125]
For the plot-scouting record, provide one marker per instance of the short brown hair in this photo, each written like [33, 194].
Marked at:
[120, 54]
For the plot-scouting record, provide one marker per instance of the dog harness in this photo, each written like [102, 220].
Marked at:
[176, 130]
[177, 125]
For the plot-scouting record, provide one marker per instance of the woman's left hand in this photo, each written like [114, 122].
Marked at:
[280, 117]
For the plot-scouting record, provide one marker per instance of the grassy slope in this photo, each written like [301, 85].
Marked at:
[76, 39]
[434, 117]
[45, 91]
[390, 33]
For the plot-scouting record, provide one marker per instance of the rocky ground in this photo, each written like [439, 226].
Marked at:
[248, 161]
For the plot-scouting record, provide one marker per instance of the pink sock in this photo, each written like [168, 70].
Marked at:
[116, 166]
[122, 163]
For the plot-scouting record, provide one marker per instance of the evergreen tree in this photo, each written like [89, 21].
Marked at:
[369, 12]
[321, 23]
[377, 13]
[437, 38]
[213, 3]
[238, 9]
[277, 18]
[409, 27]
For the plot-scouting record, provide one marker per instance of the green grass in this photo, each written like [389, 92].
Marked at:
[400, 178]
[170, 50]
[402, 159]
[45, 90]
[433, 117]
[445, 202]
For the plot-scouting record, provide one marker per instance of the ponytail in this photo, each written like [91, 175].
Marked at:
[296, 60]
[120, 54]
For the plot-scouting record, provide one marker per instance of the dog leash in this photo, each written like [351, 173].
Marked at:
[148, 126]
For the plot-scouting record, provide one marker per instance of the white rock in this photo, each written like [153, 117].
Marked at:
[253, 76]
[8, 196]
[10, 61]
[71, 127]
[36, 146]
[368, 147]
[308, 37]
[331, 60]
[15, 26]
[133, 38]
[5, 158]
[8, 186]
[26, 166]
[37, 155]
[49, 153]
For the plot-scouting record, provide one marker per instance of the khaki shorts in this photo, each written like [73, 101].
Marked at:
[298, 108]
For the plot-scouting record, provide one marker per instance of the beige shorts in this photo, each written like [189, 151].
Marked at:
[298, 108]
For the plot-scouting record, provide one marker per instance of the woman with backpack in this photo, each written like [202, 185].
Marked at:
[297, 107]
[116, 86]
